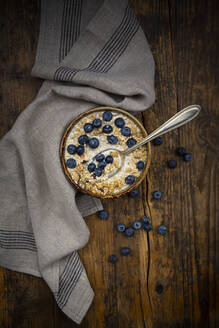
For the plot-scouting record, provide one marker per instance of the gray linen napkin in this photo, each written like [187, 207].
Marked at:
[90, 53]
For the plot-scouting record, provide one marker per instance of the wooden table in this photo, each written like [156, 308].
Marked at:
[167, 281]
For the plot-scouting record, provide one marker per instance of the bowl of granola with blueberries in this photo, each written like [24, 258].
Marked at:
[90, 134]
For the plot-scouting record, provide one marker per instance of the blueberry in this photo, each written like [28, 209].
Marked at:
[130, 179]
[148, 227]
[187, 157]
[103, 215]
[98, 172]
[125, 251]
[83, 139]
[112, 139]
[133, 193]
[121, 227]
[109, 159]
[145, 219]
[93, 142]
[97, 123]
[158, 141]
[129, 232]
[140, 165]
[80, 150]
[107, 128]
[91, 167]
[101, 165]
[88, 127]
[113, 258]
[71, 163]
[119, 122]
[172, 163]
[157, 194]
[99, 157]
[107, 116]
[126, 131]
[72, 149]
[162, 229]
[181, 151]
[131, 142]
[137, 225]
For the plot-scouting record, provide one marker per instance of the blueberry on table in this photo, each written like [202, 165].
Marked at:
[101, 165]
[98, 172]
[107, 116]
[172, 163]
[130, 179]
[129, 232]
[112, 139]
[187, 157]
[119, 122]
[109, 159]
[131, 142]
[181, 151]
[162, 229]
[125, 251]
[121, 227]
[71, 163]
[137, 225]
[147, 227]
[157, 194]
[113, 258]
[83, 139]
[140, 165]
[100, 157]
[158, 141]
[97, 123]
[80, 150]
[88, 127]
[145, 219]
[93, 142]
[91, 167]
[107, 128]
[72, 149]
[133, 193]
[103, 215]
[126, 131]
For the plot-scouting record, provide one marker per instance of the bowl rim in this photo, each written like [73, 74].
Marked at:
[65, 136]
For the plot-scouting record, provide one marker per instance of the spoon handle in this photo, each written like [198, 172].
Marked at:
[181, 118]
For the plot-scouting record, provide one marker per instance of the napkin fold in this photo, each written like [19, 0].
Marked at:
[90, 53]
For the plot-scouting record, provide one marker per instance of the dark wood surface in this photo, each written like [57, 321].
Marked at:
[167, 281]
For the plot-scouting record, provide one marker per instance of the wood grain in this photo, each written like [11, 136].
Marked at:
[167, 281]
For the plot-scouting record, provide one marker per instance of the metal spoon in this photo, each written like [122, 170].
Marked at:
[184, 116]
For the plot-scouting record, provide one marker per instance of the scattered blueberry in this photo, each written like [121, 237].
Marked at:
[187, 157]
[137, 225]
[107, 128]
[109, 159]
[88, 127]
[172, 163]
[97, 123]
[100, 157]
[112, 139]
[83, 139]
[148, 227]
[130, 179]
[80, 150]
[140, 165]
[107, 116]
[91, 167]
[133, 193]
[129, 232]
[131, 142]
[158, 141]
[181, 151]
[125, 251]
[113, 258]
[103, 215]
[145, 219]
[119, 122]
[72, 149]
[126, 131]
[121, 227]
[162, 229]
[157, 194]
[101, 165]
[98, 172]
[71, 163]
[93, 142]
